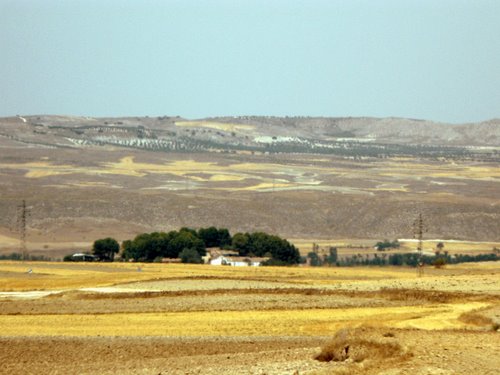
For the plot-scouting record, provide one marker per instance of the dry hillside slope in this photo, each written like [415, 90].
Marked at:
[364, 178]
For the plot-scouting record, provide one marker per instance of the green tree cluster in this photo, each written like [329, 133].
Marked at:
[106, 248]
[149, 246]
[215, 237]
[266, 245]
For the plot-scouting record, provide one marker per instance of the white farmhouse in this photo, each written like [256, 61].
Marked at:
[237, 261]
[219, 257]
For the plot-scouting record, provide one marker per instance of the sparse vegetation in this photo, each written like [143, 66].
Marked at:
[359, 345]
[31, 257]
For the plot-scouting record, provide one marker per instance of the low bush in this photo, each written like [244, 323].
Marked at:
[358, 345]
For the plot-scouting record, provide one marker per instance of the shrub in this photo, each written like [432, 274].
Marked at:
[358, 345]
[439, 262]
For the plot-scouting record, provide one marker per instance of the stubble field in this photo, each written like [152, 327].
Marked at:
[176, 319]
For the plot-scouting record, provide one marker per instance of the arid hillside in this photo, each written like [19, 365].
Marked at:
[351, 178]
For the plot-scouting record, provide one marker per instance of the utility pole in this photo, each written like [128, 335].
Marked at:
[418, 233]
[21, 221]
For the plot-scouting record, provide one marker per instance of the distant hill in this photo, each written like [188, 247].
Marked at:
[254, 133]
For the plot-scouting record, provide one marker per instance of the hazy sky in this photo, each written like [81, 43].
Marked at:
[437, 59]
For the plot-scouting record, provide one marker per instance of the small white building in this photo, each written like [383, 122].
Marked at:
[237, 261]
[82, 257]
[218, 261]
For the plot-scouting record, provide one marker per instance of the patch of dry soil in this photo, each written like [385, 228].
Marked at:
[428, 352]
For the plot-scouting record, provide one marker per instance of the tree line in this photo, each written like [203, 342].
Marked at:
[398, 259]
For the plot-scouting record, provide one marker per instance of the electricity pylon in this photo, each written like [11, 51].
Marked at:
[418, 232]
[21, 222]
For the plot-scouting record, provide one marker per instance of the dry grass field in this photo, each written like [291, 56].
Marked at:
[129, 318]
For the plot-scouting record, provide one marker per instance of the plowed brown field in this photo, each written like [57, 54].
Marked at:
[75, 318]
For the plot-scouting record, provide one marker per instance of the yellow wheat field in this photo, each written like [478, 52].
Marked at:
[385, 297]
[236, 323]
[14, 276]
